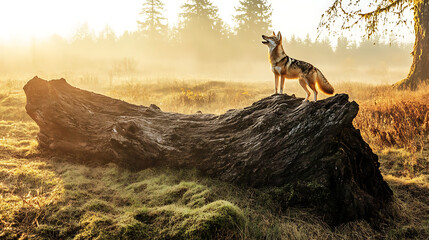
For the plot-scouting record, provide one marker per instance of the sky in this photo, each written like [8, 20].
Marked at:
[23, 20]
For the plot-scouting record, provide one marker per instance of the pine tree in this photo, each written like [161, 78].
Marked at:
[153, 24]
[200, 29]
[83, 34]
[201, 16]
[107, 35]
[253, 18]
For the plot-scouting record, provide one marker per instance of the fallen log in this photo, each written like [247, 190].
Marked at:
[311, 149]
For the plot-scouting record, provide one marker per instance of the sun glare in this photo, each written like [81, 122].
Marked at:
[21, 20]
[26, 19]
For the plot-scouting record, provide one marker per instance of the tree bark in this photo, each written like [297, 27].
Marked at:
[310, 150]
[419, 71]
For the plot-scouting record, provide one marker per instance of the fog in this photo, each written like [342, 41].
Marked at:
[104, 59]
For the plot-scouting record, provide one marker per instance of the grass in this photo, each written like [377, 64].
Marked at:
[395, 118]
[191, 96]
[47, 197]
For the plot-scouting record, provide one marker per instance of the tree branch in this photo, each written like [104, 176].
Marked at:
[351, 14]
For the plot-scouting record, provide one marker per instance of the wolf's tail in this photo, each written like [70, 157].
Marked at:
[323, 83]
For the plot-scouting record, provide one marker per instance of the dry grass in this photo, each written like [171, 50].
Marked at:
[46, 197]
[390, 118]
[190, 96]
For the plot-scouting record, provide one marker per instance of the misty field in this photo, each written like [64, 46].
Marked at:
[47, 197]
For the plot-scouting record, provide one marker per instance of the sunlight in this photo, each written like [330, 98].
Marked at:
[41, 19]
[25, 19]
[164, 119]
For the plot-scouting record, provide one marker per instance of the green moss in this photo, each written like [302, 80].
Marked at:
[171, 194]
[95, 225]
[212, 221]
[197, 199]
[66, 213]
[81, 196]
[146, 174]
[137, 187]
[98, 205]
[142, 215]
[133, 229]
[48, 231]
[219, 217]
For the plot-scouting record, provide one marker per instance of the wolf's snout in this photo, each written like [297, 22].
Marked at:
[265, 40]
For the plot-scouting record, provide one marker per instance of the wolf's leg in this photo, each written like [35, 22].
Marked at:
[276, 82]
[304, 85]
[313, 87]
[282, 83]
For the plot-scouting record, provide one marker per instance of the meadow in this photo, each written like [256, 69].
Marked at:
[43, 196]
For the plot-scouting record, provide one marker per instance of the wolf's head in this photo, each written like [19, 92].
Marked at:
[273, 40]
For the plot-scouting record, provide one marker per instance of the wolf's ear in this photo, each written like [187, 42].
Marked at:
[279, 36]
[274, 33]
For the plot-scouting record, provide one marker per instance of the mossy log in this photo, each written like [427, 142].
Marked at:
[310, 147]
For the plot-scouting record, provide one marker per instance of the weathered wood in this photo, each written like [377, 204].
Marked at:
[309, 147]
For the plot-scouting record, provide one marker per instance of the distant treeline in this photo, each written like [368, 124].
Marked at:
[200, 46]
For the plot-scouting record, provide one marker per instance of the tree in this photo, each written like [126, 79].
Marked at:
[107, 35]
[83, 34]
[201, 16]
[373, 16]
[253, 18]
[201, 27]
[84, 38]
[152, 12]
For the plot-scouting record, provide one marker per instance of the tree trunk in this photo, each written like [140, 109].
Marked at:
[419, 71]
[310, 150]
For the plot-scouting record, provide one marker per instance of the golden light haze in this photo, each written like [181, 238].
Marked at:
[22, 20]
[87, 40]
[61, 190]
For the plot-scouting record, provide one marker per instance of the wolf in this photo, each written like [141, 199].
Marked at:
[284, 66]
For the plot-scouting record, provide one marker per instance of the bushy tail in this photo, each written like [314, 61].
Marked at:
[323, 83]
